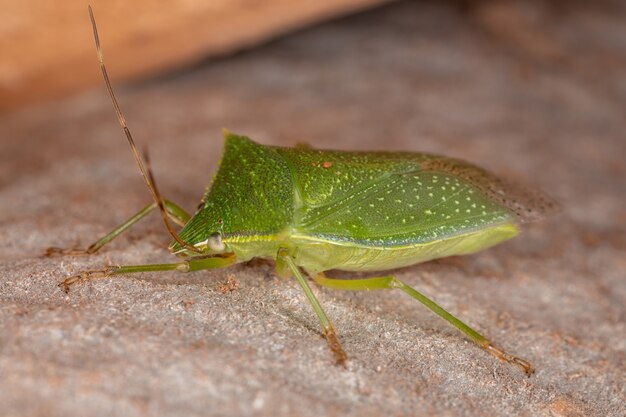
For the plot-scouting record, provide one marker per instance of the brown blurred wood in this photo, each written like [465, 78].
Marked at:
[47, 48]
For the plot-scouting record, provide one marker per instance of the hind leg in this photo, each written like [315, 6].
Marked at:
[390, 282]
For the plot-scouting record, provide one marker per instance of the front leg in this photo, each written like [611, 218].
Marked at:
[175, 212]
[188, 265]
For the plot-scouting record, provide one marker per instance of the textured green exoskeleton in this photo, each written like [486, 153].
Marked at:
[317, 210]
[355, 211]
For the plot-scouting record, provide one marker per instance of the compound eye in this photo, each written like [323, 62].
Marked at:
[215, 242]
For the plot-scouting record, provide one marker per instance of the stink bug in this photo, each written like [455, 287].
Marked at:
[314, 210]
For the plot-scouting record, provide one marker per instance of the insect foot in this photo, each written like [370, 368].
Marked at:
[507, 357]
[54, 251]
[335, 346]
[84, 277]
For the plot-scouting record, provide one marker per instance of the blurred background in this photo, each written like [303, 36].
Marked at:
[534, 90]
[47, 48]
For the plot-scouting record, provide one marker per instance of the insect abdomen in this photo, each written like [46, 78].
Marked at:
[317, 254]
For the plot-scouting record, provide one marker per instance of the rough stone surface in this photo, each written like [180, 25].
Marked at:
[539, 98]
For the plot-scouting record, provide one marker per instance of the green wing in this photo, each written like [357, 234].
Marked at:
[324, 177]
[394, 199]
[406, 208]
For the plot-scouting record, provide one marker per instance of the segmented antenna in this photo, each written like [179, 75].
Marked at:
[146, 173]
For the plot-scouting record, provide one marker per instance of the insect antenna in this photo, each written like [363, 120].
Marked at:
[146, 173]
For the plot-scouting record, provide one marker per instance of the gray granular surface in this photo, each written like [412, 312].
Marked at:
[533, 91]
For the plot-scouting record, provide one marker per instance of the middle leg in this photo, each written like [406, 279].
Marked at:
[285, 265]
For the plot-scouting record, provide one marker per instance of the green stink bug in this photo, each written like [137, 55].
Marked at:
[316, 210]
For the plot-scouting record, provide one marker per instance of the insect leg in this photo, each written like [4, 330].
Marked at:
[285, 260]
[188, 265]
[175, 212]
[390, 282]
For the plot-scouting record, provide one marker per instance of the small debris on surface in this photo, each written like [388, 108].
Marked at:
[231, 284]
